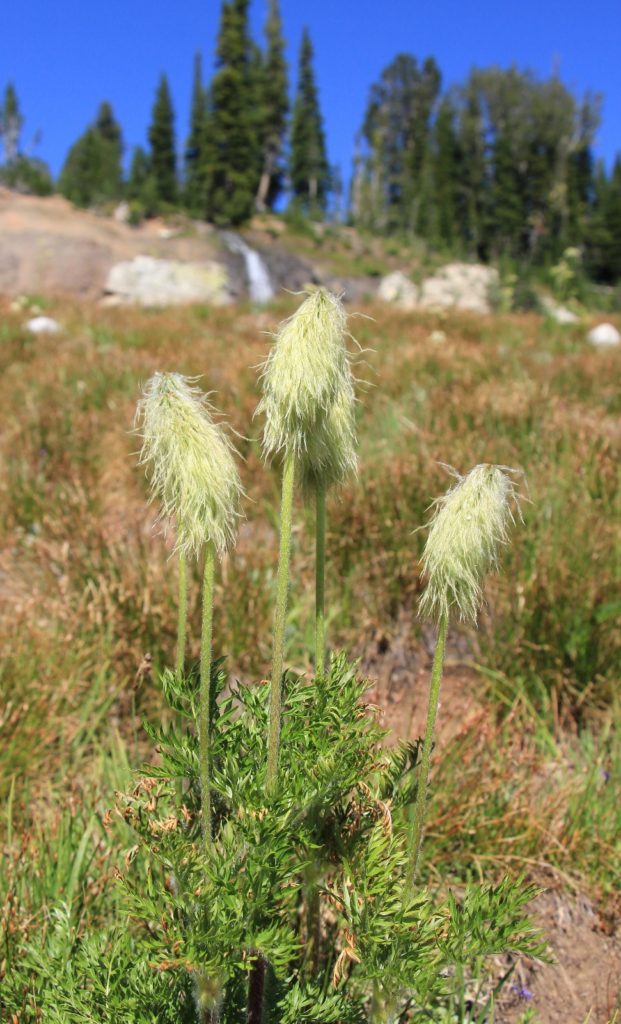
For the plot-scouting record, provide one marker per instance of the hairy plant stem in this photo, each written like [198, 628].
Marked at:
[418, 823]
[320, 574]
[256, 991]
[280, 615]
[182, 617]
[382, 1008]
[205, 689]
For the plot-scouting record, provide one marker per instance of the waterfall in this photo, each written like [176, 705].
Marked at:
[259, 284]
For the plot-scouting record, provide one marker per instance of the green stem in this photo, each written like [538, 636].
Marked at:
[205, 690]
[418, 823]
[320, 574]
[278, 654]
[182, 619]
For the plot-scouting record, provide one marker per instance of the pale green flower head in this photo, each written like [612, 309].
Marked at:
[191, 465]
[305, 370]
[469, 524]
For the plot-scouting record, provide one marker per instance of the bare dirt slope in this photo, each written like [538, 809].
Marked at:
[48, 246]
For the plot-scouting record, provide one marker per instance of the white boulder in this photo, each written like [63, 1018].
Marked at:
[460, 286]
[42, 325]
[398, 289]
[603, 336]
[457, 285]
[562, 315]
[147, 281]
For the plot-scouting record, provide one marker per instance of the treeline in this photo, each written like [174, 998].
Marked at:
[246, 139]
[500, 167]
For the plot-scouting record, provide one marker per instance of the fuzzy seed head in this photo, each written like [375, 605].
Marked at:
[190, 462]
[468, 525]
[305, 370]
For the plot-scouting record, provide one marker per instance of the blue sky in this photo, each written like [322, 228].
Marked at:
[65, 56]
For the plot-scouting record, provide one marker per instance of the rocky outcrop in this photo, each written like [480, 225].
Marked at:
[457, 285]
[147, 281]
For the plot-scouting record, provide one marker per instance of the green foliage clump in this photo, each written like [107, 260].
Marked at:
[309, 881]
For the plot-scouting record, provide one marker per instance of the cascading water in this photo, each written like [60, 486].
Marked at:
[259, 284]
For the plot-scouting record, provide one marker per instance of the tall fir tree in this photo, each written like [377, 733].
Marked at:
[308, 166]
[141, 188]
[195, 157]
[418, 184]
[474, 176]
[233, 162]
[92, 171]
[11, 123]
[162, 142]
[446, 172]
[506, 217]
[397, 132]
[109, 131]
[603, 236]
[275, 108]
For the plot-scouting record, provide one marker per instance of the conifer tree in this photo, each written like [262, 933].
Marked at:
[308, 167]
[446, 175]
[613, 215]
[108, 130]
[232, 172]
[417, 184]
[11, 123]
[473, 176]
[141, 187]
[162, 142]
[196, 146]
[506, 215]
[92, 171]
[275, 107]
[603, 241]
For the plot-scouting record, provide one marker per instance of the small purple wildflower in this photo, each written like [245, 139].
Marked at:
[522, 992]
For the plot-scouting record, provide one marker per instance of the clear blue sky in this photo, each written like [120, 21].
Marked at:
[65, 56]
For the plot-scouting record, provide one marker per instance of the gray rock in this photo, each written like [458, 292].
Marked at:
[604, 336]
[147, 281]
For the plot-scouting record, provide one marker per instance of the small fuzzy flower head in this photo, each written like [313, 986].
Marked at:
[469, 524]
[305, 370]
[330, 454]
[190, 462]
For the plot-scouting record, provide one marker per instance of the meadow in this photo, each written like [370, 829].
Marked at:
[530, 773]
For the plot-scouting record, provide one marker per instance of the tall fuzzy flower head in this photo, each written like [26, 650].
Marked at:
[305, 370]
[190, 462]
[468, 525]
